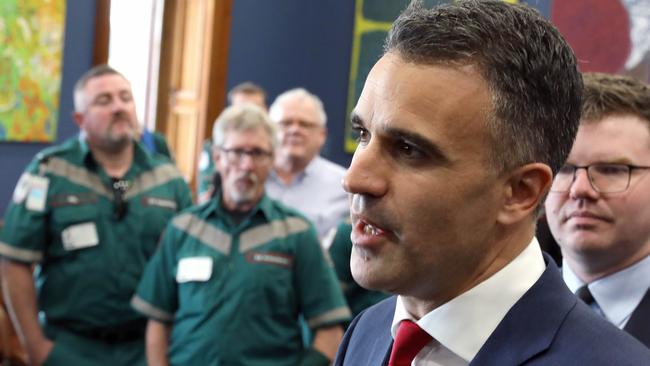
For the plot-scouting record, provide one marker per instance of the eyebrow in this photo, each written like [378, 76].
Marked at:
[420, 141]
[355, 120]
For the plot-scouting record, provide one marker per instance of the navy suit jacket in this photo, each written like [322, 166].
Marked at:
[547, 326]
[639, 323]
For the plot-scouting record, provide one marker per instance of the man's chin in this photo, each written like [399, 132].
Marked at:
[365, 274]
[117, 143]
[244, 198]
[292, 151]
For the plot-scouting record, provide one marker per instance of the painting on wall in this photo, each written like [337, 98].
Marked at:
[372, 21]
[31, 57]
[611, 36]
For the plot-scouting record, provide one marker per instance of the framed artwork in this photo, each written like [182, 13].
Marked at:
[611, 36]
[372, 21]
[31, 57]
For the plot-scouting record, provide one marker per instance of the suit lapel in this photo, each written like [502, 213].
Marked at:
[531, 324]
[368, 340]
[639, 323]
[380, 352]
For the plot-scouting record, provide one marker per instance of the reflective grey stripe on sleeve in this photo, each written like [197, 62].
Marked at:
[153, 178]
[341, 314]
[278, 229]
[75, 174]
[150, 311]
[25, 255]
[204, 232]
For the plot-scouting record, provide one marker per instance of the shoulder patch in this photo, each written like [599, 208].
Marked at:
[37, 196]
[44, 155]
[22, 188]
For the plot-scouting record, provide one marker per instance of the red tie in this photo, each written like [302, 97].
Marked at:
[409, 341]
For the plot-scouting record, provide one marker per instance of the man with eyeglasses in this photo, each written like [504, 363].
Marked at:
[598, 208]
[89, 214]
[208, 180]
[301, 178]
[234, 274]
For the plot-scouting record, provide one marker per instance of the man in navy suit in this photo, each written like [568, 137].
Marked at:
[462, 124]
[599, 206]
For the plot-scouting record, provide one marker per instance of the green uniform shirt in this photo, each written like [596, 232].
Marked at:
[357, 297]
[63, 217]
[234, 292]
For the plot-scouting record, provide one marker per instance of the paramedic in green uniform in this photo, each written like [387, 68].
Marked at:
[232, 275]
[89, 213]
[209, 180]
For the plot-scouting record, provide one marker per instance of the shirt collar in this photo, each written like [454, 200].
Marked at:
[86, 156]
[264, 206]
[140, 155]
[618, 294]
[465, 323]
[312, 166]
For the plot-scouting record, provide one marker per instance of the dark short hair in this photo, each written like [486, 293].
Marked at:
[530, 70]
[246, 87]
[96, 71]
[606, 95]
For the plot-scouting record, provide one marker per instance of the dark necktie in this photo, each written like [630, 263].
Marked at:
[585, 295]
[409, 341]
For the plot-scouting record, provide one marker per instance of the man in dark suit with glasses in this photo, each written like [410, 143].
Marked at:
[89, 213]
[599, 205]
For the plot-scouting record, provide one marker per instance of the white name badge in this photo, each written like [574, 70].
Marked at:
[37, 195]
[194, 269]
[80, 236]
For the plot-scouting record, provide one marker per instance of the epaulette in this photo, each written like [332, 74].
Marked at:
[44, 155]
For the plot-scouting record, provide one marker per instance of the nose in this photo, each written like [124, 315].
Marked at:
[367, 173]
[581, 187]
[118, 105]
[246, 162]
[292, 127]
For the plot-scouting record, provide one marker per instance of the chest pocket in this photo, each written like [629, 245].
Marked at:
[74, 230]
[271, 279]
[199, 278]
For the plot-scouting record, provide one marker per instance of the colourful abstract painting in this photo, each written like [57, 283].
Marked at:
[31, 56]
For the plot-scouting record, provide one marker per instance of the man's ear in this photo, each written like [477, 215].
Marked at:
[216, 154]
[525, 188]
[78, 118]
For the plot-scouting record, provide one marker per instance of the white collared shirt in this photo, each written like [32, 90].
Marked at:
[618, 294]
[461, 326]
[316, 192]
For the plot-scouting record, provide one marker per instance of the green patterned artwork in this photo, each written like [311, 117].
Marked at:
[31, 49]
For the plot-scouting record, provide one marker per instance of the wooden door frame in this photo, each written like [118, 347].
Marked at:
[214, 68]
[215, 61]
[102, 31]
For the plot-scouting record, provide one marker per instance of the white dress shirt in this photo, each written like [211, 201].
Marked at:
[317, 192]
[461, 326]
[616, 295]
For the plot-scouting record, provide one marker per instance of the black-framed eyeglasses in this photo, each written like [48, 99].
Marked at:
[236, 156]
[120, 204]
[603, 177]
